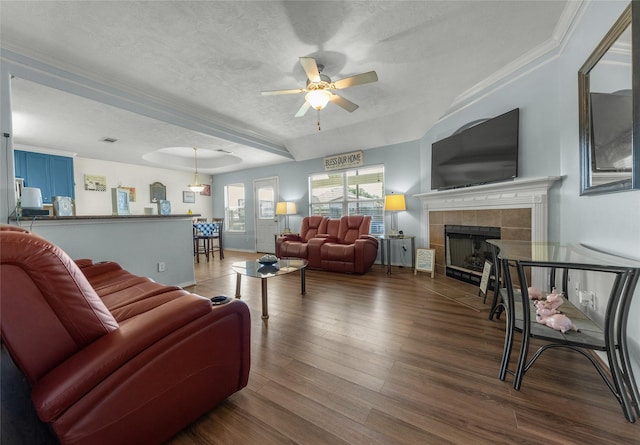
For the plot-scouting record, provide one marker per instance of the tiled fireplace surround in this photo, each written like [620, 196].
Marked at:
[518, 207]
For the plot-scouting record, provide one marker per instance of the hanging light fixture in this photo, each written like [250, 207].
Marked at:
[196, 186]
[318, 99]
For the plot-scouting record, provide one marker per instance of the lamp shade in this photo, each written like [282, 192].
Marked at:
[394, 203]
[31, 198]
[196, 187]
[318, 99]
[286, 208]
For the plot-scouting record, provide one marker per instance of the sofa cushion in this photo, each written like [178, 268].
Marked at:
[352, 226]
[337, 252]
[312, 226]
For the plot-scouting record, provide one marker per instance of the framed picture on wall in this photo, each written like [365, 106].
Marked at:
[188, 196]
[157, 192]
[132, 193]
[206, 191]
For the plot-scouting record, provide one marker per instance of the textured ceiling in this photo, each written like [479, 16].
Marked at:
[210, 61]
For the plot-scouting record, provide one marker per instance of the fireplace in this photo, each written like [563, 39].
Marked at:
[518, 207]
[466, 250]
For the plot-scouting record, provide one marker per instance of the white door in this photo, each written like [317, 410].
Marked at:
[266, 193]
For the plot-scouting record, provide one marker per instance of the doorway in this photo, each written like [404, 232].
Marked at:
[266, 193]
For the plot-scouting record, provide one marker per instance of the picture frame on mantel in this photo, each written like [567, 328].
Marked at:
[164, 207]
[120, 201]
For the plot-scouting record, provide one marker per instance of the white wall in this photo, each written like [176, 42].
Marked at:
[118, 174]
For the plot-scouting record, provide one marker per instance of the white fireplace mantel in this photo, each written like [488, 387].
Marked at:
[519, 193]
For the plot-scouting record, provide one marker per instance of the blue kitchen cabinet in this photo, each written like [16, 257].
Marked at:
[52, 174]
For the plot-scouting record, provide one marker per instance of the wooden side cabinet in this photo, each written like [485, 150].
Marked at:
[52, 174]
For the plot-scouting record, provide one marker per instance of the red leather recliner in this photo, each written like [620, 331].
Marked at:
[113, 357]
[291, 245]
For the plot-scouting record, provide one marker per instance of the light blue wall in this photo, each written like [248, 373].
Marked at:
[402, 163]
[549, 145]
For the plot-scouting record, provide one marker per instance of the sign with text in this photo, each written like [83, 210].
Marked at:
[347, 160]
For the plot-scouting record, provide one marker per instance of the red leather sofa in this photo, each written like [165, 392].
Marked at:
[345, 246]
[114, 358]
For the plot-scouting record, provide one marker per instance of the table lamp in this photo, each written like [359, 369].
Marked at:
[286, 208]
[394, 204]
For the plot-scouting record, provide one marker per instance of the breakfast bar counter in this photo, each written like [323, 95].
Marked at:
[156, 246]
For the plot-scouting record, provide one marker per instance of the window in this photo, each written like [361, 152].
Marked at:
[234, 207]
[351, 192]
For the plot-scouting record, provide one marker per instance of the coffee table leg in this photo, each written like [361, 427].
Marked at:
[265, 311]
[238, 281]
[302, 284]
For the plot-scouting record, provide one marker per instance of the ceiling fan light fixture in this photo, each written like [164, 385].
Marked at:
[318, 99]
[196, 186]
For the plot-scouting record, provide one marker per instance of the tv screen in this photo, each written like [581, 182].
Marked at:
[484, 153]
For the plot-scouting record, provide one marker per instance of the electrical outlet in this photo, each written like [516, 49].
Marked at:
[162, 266]
[587, 299]
[583, 297]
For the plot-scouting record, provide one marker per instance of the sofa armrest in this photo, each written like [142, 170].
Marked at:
[369, 238]
[72, 379]
[366, 252]
[325, 237]
[289, 237]
[84, 262]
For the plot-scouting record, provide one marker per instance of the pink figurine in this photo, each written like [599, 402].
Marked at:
[544, 308]
[555, 299]
[559, 322]
[534, 293]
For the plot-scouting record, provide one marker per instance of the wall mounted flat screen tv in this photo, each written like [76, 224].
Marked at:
[481, 154]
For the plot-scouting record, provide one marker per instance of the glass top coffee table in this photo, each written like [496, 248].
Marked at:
[265, 271]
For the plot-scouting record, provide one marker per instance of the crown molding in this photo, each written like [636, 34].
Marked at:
[118, 96]
[525, 64]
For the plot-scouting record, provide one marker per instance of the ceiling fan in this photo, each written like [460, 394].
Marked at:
[319, 87]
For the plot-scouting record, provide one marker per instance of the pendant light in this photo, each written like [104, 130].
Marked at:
[196, 186]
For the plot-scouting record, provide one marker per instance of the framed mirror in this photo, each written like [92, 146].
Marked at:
[608, 121]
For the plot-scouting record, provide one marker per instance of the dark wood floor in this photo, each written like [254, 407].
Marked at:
[378, 359]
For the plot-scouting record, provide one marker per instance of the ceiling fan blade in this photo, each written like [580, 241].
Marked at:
[344, 103]
[293, 91]
[303, 109]
[358, 79]
[311, 68]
